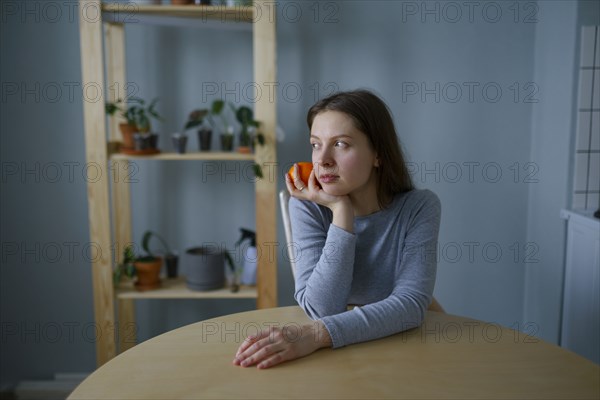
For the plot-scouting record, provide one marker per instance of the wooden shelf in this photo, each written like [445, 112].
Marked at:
[110, 217]
[177, 289]
[208, 155]
[129, 12]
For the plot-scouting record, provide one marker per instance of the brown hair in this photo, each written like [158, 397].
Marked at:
[372, 117]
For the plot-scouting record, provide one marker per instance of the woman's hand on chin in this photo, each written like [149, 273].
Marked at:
[313, 191]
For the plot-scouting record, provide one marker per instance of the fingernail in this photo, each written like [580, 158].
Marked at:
[244, 363]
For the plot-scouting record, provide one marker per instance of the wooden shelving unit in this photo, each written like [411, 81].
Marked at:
[206, 156]
[176, 289]
[131, 11]
[103, 45]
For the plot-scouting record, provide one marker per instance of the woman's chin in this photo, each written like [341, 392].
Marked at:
[334, 191]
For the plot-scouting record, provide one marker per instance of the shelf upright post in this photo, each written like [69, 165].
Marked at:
[90, 26]
[265, 108]
[117, 87]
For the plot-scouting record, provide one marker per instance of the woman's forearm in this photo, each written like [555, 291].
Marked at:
[343, 216]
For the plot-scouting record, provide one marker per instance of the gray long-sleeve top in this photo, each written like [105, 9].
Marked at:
[388, 266]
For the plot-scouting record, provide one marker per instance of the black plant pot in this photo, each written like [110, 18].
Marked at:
[145, 141]
[172, 262]
[141, 141]
[153, 141]
[226, 142]
[179, 142]
[204, 138]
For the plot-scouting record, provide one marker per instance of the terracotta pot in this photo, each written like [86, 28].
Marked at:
[127, 131]
[245, 149]
[148, 274]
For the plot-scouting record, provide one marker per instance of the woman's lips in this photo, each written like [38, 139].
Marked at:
[328, 178]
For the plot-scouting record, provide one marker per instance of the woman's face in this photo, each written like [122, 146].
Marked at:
[343, 158]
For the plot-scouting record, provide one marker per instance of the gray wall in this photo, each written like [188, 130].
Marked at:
[553, 121]
[501, 242]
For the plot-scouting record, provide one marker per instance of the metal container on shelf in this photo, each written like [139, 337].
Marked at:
[205, 268]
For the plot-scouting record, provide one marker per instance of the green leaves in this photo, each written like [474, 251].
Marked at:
[112, 108]
[136, 113]
[126, 267]
[257, 171]
[146, 242]
[261, 138]
[244, 115]
[229, 260]
[234, 287]
[196, 118]
[217, 107]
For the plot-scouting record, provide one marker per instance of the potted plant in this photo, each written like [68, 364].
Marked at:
[249, 132]
[171, 258]
[125, 268]
[146, 267]
[227, 132]
[217, 109]
[138, 117]
[197, 118]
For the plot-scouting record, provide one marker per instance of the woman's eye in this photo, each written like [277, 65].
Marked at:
[314, 145]
[342, 144]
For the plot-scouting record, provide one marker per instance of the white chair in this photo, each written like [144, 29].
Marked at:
[284, 199]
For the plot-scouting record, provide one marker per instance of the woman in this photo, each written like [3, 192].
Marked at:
[367, 237]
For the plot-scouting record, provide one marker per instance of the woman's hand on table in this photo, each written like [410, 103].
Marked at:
[276, 345]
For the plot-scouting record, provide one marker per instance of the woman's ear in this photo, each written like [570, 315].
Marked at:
[376, 164]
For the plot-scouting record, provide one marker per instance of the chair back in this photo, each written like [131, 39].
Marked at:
[284, 199]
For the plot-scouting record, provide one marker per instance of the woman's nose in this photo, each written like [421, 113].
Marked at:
[325, 159]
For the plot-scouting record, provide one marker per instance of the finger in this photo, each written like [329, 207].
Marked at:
[249, 341]
[237, 359]
[259, 351]
[291, 187]
[312, 181]
[297, 180]
[273, 360]
[289, 184]
[251, 347]
[292, 182]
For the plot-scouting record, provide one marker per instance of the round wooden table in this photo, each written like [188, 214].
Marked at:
[447, 357]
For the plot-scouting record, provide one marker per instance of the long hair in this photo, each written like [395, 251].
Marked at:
[372, 117]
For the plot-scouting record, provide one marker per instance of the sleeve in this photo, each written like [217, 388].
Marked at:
[324, 256]
[414, 278]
